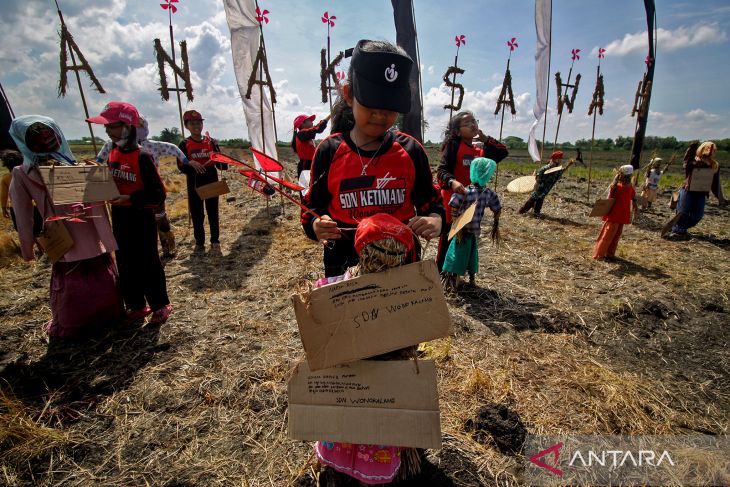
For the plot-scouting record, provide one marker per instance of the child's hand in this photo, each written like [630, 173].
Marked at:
[427, 227]
[326, 229]
[120, 200]
[199, 168]
[457, 187]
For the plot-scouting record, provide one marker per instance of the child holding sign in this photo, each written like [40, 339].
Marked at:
[198, 148]
[463, 254]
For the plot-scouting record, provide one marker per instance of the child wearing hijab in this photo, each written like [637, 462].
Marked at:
[624, 196]
[382, 242]
[463, 254]
[84, 293]
[141, 274]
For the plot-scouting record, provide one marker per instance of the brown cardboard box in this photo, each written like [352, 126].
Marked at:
[461, 221]
[601, 207]
[74, 184]
[701, 179]
[55, 240]
[369, 402]
[213, 189]
[372, 314]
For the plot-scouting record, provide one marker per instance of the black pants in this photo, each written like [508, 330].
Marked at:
[303, 165]
[198, 208]
[141, 276]
[532, 203]
[443, 245]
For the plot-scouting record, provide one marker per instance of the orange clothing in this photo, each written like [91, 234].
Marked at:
[608, 240]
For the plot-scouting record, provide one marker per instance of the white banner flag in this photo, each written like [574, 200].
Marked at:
[543, 24]
[241, 17]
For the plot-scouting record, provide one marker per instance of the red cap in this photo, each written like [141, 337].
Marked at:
[558, 154]
[192, 115]
[301, 119]
[117, 111]
[381, 226]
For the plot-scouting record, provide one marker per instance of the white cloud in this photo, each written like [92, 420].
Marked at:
[668, 40]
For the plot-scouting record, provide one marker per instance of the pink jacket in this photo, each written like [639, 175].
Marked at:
[91, 238]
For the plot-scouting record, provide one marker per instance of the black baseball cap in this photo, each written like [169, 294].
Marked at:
[381, 79]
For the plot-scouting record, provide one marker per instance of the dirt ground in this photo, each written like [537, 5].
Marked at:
[549, 342]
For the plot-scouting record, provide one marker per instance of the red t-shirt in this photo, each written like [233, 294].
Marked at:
[620, 212]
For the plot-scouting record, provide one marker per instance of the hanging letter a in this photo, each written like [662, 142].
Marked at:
[505, 96]
[68, 44]
[449, 72]
[184, 72]
[253, 79]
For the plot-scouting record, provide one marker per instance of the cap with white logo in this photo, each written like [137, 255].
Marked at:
[380, 79]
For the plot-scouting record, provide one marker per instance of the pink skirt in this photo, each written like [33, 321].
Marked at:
[84, 296]
[370, 464]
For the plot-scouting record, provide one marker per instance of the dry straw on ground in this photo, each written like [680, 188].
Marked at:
[566, 344]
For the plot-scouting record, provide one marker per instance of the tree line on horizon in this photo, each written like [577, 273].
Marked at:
[620, 143]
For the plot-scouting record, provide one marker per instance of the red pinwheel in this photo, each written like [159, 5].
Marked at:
[340, 75]
[512, 44]
[169, 5]
[460, 40]
[601, 52]
[649, 60]
[574, 54]
[327, 18]
[261, 16]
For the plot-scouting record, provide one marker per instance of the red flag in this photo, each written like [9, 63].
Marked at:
[268, 164]
[263, 177]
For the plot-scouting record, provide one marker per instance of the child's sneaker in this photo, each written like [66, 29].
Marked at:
[161, 315]
[138, 314]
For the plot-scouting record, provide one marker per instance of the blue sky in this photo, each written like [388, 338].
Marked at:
[689, 99]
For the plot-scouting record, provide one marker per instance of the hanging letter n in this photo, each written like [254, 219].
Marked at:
[184, 72]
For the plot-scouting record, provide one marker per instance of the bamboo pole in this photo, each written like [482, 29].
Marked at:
[177, 85]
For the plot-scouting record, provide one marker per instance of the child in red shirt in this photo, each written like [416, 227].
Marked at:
[623, 194]
[303, 140]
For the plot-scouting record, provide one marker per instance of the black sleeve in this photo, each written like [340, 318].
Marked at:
[308, 134]
[715, 188]
[445, 171]
[318, 198]
[494, 150]
[425, 196]
[184, 168]
[154, 192]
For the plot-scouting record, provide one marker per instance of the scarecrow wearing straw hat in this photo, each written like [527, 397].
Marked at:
[545, 179]
[382, 242]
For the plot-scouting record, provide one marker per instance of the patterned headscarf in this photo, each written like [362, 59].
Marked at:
[20, 126]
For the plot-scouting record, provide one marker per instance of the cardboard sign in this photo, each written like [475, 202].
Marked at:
[668, 226]
[74, 184]
[372, 314]
[55, 240]
[212, 190]
[461, 221]
[601, 207]
[701, 179]
[378, 402]
[524, 184]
